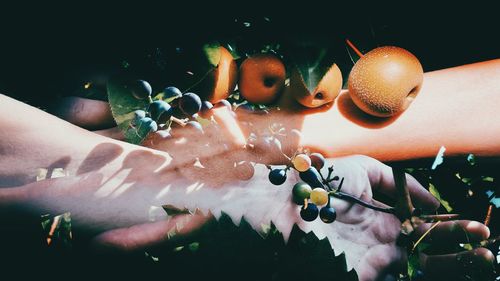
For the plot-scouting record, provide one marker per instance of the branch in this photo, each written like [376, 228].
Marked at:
[352, 199]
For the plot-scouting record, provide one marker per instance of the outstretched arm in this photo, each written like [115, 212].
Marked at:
[457, 108]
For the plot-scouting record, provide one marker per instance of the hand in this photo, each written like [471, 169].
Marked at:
[379, 255]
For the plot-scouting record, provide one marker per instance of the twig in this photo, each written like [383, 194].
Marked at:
[352, 199]
[178, 121]
[354, 48]
[488, 215]
[404, 207]
[425, 234]
[443, 217]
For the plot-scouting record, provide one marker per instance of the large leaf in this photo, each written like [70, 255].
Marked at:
[123, 104]
[312, 62]
[261, 205]
[228, 251]
[194, 64]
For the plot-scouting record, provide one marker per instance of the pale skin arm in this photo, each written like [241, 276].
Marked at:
[456, 108]
[34, 139]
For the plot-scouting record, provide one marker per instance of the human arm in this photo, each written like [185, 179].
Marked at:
[111, 185]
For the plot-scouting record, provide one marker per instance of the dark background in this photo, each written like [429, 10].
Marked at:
[49, 51]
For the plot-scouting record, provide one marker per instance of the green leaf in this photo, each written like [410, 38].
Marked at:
[433, 190]
[227, 251]
[123, 104]
[312, 63]
[57, 230]
[212, 53]
[414, 259]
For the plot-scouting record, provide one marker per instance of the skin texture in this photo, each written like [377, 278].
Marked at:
[262, 78]
[385, 81]
[112, 184]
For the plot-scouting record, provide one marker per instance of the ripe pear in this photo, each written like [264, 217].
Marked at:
[385, 81]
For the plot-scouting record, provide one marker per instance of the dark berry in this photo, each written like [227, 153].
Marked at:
[160, 111]
[146, 125]
[310, 213]
[190, 103]
[312, 177]
[277, 176]
[171, 93]
[206, 109]
[328, 214]
[140, 89]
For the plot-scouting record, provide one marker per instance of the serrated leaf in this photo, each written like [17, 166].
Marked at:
[123, 104]
[312, 62]
[225, 249]
[433, 190]
[259, 202]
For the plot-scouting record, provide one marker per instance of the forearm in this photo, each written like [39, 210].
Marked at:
[456, 108]
[33, 141]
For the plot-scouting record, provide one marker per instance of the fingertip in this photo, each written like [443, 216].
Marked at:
[478, 230]
[484, 254]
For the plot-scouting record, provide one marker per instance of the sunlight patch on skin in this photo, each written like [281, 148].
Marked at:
[121, 189]
[163, 192]
[111, 185]
[193, 187]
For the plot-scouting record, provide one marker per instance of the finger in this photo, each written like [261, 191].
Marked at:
[382, 180]
[139, 237]
[86, 113]
[114, 133]
[464, 231]
[477, 264]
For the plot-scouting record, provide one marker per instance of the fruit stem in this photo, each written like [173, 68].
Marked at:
[354, 48]
[443, 217]
[424, 235]
[488, 215]
[178, 121]
[352, 199]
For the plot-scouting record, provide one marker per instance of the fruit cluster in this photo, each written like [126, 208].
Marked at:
[309, 166]
[261, 81]
[159, 114]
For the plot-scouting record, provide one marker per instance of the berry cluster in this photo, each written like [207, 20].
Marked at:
[159, 115]
[308, 166]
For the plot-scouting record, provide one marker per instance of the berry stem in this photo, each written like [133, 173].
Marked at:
[352, 199]
[354, 48]
[443, 217]
[178, 121]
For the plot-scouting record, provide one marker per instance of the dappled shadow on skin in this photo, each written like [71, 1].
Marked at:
[140, 163]
[101, 155]
[13, 180]
[352, 113]
[62, 163]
